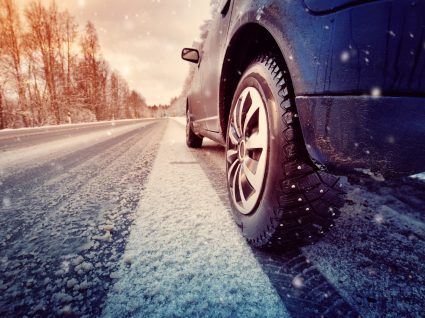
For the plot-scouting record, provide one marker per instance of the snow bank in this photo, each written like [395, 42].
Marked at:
[185, 257]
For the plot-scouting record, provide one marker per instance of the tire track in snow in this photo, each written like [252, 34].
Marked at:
[375, 254]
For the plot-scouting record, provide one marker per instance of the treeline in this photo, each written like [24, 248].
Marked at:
[51, 73]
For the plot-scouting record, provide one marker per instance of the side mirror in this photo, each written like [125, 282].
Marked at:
[191, 55]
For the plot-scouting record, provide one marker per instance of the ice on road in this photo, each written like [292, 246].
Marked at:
[185, 257]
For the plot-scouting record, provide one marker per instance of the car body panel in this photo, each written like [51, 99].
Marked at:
[364, 133]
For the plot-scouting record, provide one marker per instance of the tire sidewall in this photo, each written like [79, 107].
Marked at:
[260, 222]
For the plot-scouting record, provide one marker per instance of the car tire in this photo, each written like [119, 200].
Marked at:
[192, 140]
[277, 195]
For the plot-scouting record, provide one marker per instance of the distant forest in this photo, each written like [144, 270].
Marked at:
[50, 73]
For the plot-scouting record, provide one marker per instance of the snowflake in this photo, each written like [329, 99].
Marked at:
[298, 281]
[375, 92]
[345, 56]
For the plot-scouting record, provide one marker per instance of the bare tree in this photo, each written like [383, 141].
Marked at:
[69, 38]
[11, 51]
[42, 23]
[42, 77]
[2, 123]
[90, 49]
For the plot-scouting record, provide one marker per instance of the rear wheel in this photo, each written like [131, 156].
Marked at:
[278, 196]
[192, 140]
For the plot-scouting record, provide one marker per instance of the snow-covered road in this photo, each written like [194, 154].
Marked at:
[66, 205]
[122, 219]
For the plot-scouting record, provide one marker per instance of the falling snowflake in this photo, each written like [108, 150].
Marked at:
[391, 32]
[375, 92]
[260, 12]
[390, 139]
[298, 281]
[345, 56]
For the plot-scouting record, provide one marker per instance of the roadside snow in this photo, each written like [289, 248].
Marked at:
[185, 257]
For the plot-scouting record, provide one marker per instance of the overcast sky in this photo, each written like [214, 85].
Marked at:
[143, 39]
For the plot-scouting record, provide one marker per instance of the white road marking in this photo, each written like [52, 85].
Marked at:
[187, 257]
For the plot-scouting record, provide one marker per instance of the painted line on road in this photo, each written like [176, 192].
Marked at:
[186, 254]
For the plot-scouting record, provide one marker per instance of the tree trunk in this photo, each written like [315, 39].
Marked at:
[1, 110]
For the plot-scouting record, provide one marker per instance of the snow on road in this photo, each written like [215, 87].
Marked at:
[374, 256]
[372, 259]
[185, 257]
[11, 160]
[67, 242]
[64, 221]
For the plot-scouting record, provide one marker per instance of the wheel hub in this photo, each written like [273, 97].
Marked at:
[241, 150]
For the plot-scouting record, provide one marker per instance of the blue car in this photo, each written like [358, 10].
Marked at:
[300, 91]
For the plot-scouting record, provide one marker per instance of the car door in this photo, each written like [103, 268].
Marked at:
[213, 52]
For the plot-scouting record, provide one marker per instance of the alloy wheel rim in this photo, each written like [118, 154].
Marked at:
[247, 146]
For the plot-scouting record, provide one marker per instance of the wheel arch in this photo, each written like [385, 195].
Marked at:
[259, 40]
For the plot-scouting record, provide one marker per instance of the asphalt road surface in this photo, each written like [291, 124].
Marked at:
[120, 219]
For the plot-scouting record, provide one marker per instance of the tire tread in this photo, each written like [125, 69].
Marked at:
[309, 199]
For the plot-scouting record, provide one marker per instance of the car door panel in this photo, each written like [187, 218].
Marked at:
[212, 58]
